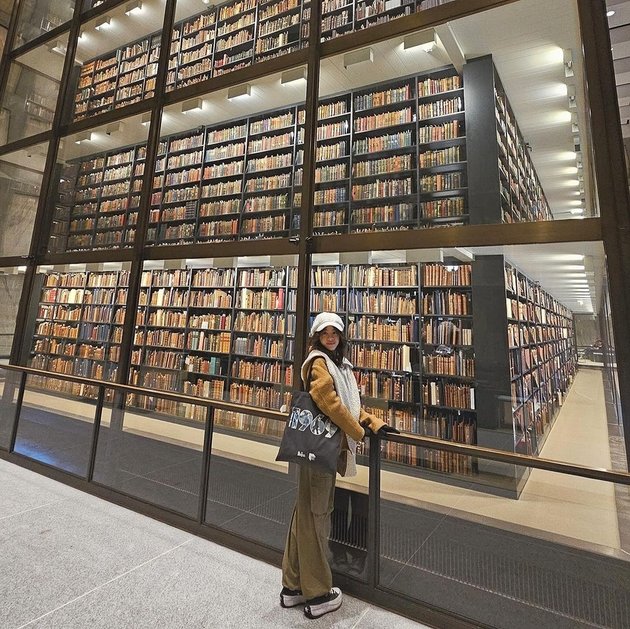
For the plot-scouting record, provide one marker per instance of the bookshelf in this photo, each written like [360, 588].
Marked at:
[78, 328]
[531, 366]
[542, 358]
[411, 372]
[448, 363]
[221, 39]
[430, 356]
[98, 200]
[503, 185]
[223, 333]
[407, 154]
[118, 78]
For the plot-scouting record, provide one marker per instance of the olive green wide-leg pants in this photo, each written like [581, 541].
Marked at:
[305, 563]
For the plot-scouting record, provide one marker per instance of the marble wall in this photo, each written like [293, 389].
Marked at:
[18, 206]
[10, 292]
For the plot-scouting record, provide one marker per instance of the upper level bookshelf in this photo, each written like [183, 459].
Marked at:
[503, 184]
[406, 154]
[121, 77]
[221, 39]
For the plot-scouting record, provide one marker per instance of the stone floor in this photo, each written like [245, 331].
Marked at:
[70, 560]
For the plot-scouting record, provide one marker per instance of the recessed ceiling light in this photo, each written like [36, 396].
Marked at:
[239, 90]
[133, 7]
[103, 22]
[190, 105]
[83, 137]
[358, 56]
[610, 13]
[295, 74]
[425, 40]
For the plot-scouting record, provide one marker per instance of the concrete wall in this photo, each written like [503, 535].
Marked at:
[10, 291]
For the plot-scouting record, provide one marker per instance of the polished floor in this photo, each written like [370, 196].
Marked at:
[70, 560]
[544, 560]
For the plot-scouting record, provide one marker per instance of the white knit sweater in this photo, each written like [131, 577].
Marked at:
[348, 392]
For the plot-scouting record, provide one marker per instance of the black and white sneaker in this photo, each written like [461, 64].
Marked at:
[321, 605]
[291, 598]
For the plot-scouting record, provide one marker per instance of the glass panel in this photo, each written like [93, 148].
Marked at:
[249, 493]
[439, 139]
[142, 455]
[76, 319]
[218, 328]
[226, 171]
[41, 16]
[342, 17]
[9, 389]
[21, 173]
[554, 557]
[29, 100]
[116, 59]
[11, 283]
[56, 424]
[477, 345]
[98, 183]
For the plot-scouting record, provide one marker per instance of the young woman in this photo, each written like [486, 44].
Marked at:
[306, 574]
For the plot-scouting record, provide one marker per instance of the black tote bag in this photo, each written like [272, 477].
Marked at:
[310, 437]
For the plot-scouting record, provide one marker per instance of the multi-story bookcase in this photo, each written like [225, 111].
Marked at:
[529, 369]
[426, 360]
[503, 186]
[221, 39]
[407, 154]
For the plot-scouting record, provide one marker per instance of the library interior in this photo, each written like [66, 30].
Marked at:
[186, 184]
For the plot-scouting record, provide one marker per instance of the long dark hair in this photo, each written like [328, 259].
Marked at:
[338, 354]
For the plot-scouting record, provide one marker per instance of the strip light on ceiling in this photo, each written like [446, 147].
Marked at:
[424, 40]
[104, 22]
[133, 7]
[236, 91]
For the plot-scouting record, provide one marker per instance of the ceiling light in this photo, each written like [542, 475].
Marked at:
[59, 48]
[103, 22]
[133, 7]
[190, 105]
[146, 118]
[610, 13]
[577, 210]
[571, 94]
[86, 136]
[425, 40]
[114, 127]
[567, 60]
[239, 90]
[295, 74]
[358, 56]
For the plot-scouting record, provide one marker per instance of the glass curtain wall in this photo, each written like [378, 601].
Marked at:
[438, 193]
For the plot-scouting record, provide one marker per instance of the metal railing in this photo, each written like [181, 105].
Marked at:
[372, 588]
[411, 439]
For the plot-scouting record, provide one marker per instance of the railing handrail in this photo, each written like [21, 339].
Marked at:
[523, 460]
[129, 388]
